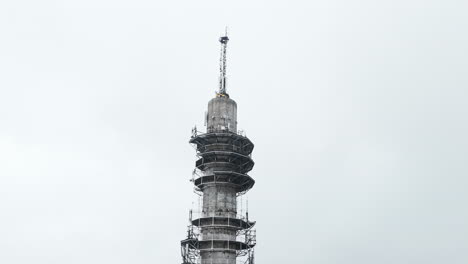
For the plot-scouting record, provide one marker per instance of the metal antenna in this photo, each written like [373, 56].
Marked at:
[222, 67]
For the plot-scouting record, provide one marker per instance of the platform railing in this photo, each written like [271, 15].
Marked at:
[199, 214]
[197, 173]
[243, 149]
[196, 132]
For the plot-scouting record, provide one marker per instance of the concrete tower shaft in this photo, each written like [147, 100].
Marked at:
[221, 155]
[221, 115]
[224, 158]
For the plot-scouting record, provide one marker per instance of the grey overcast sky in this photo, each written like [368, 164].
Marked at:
[358, 110]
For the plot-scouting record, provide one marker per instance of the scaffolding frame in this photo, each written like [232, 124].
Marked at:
[224, 157]
[243, 246]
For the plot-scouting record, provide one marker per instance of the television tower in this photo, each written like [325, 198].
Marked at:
[219, 234]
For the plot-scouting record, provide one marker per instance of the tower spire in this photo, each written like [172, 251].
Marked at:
[222, 66]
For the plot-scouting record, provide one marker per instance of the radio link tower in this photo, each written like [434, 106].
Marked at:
[219, 234]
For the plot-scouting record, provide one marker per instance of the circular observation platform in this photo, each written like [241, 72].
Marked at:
[241, 182]
[223, 245]
[223, 141]
[224, 160]
[223, 222]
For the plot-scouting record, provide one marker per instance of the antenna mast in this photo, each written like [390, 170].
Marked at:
[222, 66]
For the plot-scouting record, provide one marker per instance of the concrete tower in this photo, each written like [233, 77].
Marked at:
[219, 234]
